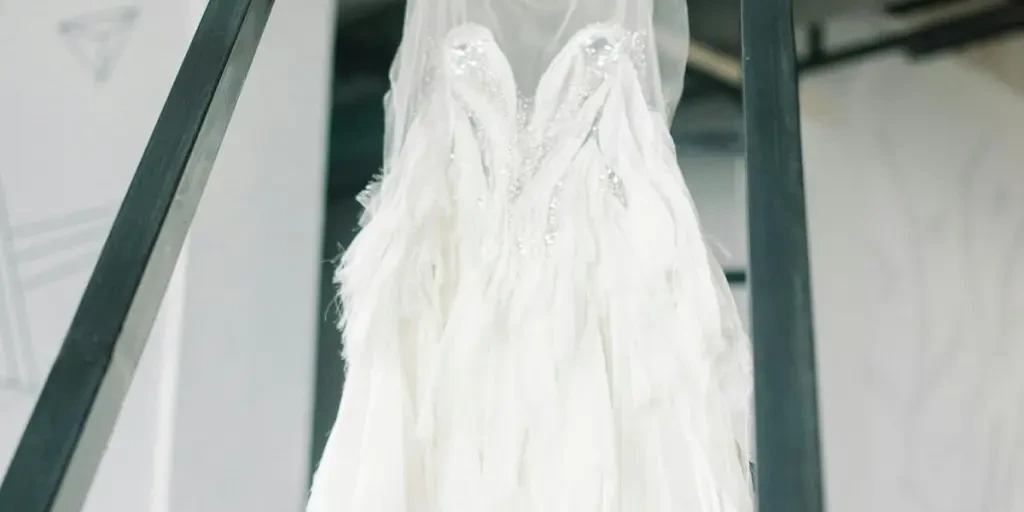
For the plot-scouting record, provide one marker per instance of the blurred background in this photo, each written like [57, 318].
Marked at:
[913, 139]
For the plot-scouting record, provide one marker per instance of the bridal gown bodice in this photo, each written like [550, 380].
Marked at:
[532, 322]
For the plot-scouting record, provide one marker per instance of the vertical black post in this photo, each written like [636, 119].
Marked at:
[788, 463]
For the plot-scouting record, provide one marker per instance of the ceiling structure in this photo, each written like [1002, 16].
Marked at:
[369, 32]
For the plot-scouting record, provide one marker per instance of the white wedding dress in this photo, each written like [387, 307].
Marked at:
[532, 321]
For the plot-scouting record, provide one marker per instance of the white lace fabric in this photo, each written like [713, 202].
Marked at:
[532, 319]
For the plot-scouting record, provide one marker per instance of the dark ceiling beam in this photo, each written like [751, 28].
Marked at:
[908, 7]
[852, 52]
[983, 25]
[934, 37]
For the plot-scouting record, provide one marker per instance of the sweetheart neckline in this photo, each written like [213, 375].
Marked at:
[470, 33]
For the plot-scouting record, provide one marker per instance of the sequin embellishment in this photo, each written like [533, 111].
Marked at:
[549, 140]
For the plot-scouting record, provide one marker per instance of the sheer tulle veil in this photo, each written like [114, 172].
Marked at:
[530, 33]
[532, 319]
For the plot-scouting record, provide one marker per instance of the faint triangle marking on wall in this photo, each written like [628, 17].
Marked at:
[98, 38]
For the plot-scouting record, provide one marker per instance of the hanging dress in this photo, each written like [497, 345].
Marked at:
[532, 319]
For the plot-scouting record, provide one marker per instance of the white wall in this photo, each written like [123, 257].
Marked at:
[219, 422]
[243, 415]
[915, 174]
[75, 113]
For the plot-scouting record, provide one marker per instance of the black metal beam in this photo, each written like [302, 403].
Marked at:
[989, 22]
[852, 52]
[69, 429]
[815, 41]
[788, 452]
[907, 7]
[736, 277]
[972, 28]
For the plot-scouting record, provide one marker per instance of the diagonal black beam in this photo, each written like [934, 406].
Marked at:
[71, 425]
[785, 391]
